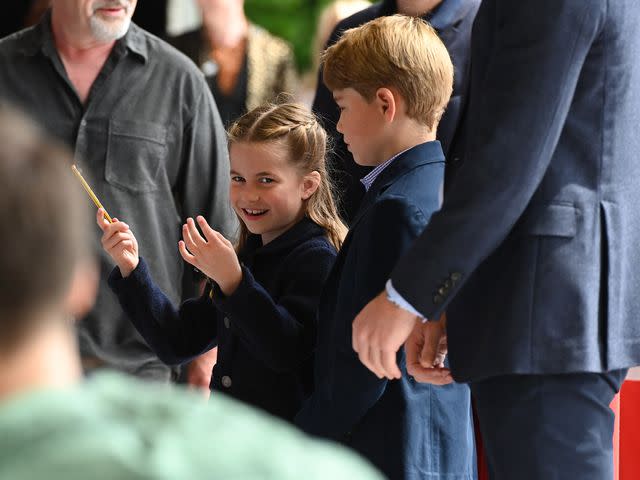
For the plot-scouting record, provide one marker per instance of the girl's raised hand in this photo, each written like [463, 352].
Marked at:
[118, 241]
[213, 255]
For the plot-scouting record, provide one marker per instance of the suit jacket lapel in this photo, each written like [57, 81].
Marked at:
[425, 153]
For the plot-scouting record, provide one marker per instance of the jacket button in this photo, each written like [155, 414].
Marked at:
[437, 299]
[226, 381]
[455, 276]
[227, 322]
[442, 291]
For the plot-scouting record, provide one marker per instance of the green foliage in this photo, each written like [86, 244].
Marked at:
[293, 20]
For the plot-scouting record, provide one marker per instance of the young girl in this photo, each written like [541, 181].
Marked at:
[259, 307]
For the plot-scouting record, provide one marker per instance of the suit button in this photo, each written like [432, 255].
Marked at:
[447, 284]
[442, 291]
[227, 322]
[455, 276]
[437, 299]
[226, 381]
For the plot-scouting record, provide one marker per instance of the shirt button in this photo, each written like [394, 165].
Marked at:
[227, 322]
[226, 381]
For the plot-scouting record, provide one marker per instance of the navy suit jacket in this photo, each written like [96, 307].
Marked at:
[452, 19]
[265, 331]
[405, 428]
[535, 252]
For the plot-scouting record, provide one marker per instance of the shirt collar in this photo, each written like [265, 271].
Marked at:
[368, 180]
[40, 38]
[136, 41]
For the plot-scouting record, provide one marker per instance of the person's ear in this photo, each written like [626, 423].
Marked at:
[310, 183]
[83, 289]
[386, 101]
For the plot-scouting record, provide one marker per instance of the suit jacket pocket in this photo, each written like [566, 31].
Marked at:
[135, 154]
[553, 220]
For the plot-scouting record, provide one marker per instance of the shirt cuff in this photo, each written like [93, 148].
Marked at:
[394, 297]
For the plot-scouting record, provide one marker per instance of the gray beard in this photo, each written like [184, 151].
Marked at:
[105, 32]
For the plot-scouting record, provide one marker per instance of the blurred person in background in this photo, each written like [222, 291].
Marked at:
[145, 130]
[327, 21]
[245, 65]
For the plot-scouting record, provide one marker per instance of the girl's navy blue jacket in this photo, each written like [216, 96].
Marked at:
[265, 331]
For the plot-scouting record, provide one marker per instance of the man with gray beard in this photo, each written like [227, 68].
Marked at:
[145, 132]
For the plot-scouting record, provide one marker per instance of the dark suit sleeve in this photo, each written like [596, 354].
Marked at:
[280, 333]
[515, 119]
[382, 237]
[175, 335]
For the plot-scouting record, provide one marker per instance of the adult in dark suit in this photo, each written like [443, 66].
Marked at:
[534, 254]
[452, 19]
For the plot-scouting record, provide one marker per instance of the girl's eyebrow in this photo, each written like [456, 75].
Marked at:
[259, 174]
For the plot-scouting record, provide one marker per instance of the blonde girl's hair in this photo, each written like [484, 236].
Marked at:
[294, 126]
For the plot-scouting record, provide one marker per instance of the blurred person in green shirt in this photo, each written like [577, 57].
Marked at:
[53, 424]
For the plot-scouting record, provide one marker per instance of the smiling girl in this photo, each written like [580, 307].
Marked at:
[259, 306]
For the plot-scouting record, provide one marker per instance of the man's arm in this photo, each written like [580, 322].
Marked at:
[516, 117]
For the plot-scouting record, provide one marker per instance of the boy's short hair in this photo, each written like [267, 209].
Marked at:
[43, 226]
[399, 52]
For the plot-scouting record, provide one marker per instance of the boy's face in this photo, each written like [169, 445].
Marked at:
[361, 124]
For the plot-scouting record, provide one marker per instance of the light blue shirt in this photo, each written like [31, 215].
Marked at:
[394, 297]
[368, 179]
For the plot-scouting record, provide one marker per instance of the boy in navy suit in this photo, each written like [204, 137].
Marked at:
[391, 79]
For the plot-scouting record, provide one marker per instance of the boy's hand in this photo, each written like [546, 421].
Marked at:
[118, 241]
[213, 255]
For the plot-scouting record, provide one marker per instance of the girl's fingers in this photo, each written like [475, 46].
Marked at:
[209, 233]
[185, 254]
[195, 234]
[116, 238]
[111, 229]
[102, 222]
[186, 236]
[223, 239]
